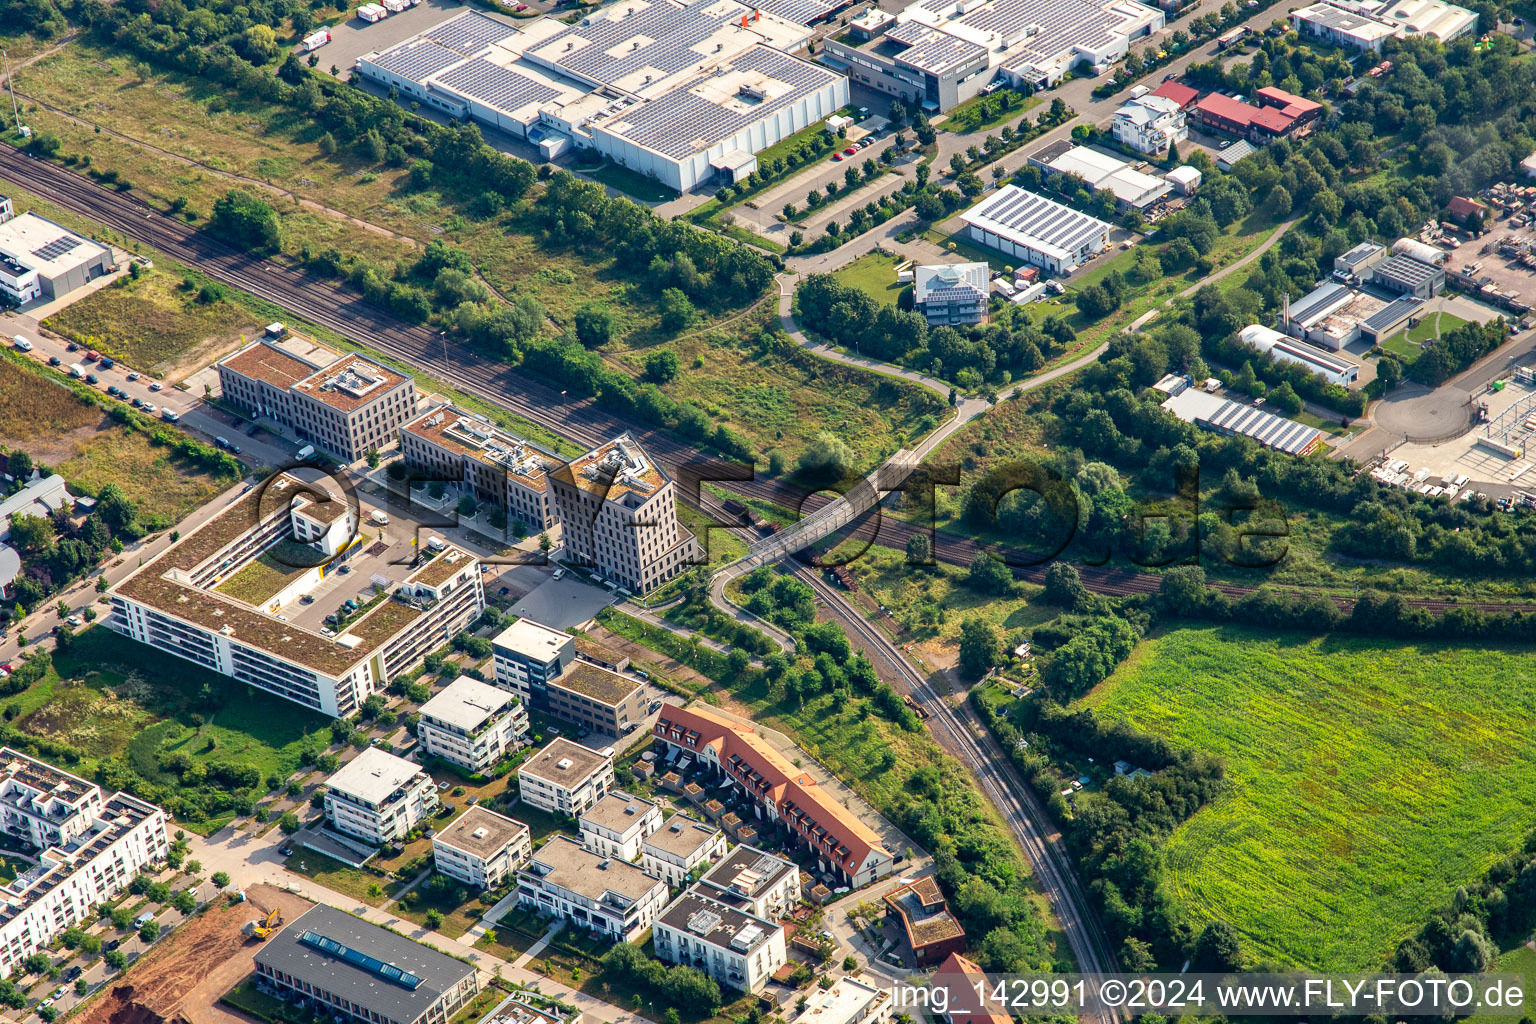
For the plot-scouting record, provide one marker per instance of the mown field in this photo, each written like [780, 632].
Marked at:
[1367, 780]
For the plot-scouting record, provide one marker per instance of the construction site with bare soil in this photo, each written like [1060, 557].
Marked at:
[181, 979]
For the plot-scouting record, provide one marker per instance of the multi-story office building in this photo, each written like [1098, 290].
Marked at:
[617, 824]
[567, 880]
[472, 724]
[379, 797]
[679, 846]
[950, 294]
[547, 669]
[753, 882]
[346, 404]
[839, 841]
[481, 848]
[618, 515]
[738, 950]
[177, 603]
[351, 970]
[1368, 24]
[91, 846]
[565, 777]
[498, 467]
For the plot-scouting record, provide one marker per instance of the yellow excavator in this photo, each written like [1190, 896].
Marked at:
[264, 928]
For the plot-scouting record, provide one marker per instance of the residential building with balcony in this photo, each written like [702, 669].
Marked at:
[566, 880]
[754, 882]
[481, 848]
[848, 1001]
[679, 846]
[951, 294]
[551, 671]
[738, 950]
[89, 848]
[499, 468]
[565, 777]
[1150, 124]
[472, 724]
[616, 825]
[345, 968]
[378, 797]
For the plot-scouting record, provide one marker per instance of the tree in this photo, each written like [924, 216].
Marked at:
[259, 44]
[988, 575]
[289, 823]
[594, 325]
[434, 919]
[326, 144]
[19, 463]
[1279, 202]
[48, 1014]
[122, 918]
[150, 931]
[661, 366]
[981, 647]
[220, 878]
[371, 146]
[116, 959]
[1285, 398]
[1064, 586]
[245, 220]
[32, 534]
[676, 310]
[827, 457]
[919, 550]
[90, 945]
[186, 901]
[37, 963]
[1218, 950]
[1389, 372]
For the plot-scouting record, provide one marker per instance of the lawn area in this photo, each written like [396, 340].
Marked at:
[259, 580]
[33, 407]
[873, 273]
[641, 187]
[154, 324]
[343, 878]
[161, 486]
[1367, 780]
[246, 998]
[107, 699]
[1327, 424]
[979, 113]
[1398, 345]
[1435, 326]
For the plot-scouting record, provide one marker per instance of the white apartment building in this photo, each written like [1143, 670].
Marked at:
[173, 604]
[472, 724]
[346, 404]
[482, 848]
[1150, 124]
[618, 514]
[565, 777]
[379, 797]
[499, 468]
[92, 846]
[679, 846]
[738, 950]
[849, 1001]
[753, 882]
[566, 880]
[617, 824]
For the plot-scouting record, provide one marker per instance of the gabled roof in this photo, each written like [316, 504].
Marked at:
[960, 976]
[1180, 93]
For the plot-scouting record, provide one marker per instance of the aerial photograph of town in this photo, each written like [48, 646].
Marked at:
[767, 511]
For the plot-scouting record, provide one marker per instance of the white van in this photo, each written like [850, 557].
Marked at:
[22, 343]
[76, 370]
[378, 518]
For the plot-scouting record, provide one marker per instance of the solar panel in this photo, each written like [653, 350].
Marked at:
[496, 86]
[470, 32]
[659, 35]
[390, 972]
[417, 59]
[56, 248]
[802, 12]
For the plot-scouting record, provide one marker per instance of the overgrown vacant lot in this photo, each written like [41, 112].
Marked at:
[155, 323]
[1367, 780]
[90, 450]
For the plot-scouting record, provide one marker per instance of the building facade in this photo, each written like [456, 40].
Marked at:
[951, 294]
[499, 468]
[472, 724]
[173, 603]
[482, 848]
[549, 670]
[753, 881]
[1039, 231]
[90, 847]
[39, 260]
[848, 1001]
[1150, 124]
[378, 797]
[738, 950]
[565, 777]
[617, 824]
[347, 405]
[346, 968]
[932, 932]
[618, 515]
[564, 879]
[678, 847]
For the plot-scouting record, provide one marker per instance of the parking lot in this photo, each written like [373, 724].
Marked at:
[1511, 277]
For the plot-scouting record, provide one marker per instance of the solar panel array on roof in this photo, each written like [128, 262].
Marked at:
[1270, 430]
[417, 59]
[802, 12]
[1392, 314]
[1038, 219]
[389, 972]
[954, 293]
[681, 122]
[470, 32]
[659, 35]
[495, 86]
[58, 247]
[936, 51]
[1062, 23]
[1311, 304]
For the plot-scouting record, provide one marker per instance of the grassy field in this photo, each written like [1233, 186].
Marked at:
[1367, 780]
[343, 878]
[259, 580]
[32, 408]
[154, 324]
[106, 699]
[873, 273]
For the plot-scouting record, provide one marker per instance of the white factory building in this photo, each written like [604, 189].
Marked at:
[1035, 229]
[1132, 189]
[1368, 24]
[40, 261]
[1285, 349]
[686, 93]
[939, 53]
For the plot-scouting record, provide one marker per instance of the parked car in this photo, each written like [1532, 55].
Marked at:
[558, 573]
[72, 347]
[72, 973]
[148, 407]
[137, 401]
[107, 362]
[133, 374]
[91, 378]
[92, 355]
[851, 151]
[837, 156]
[74, 620]
[54, 360]
[155, 385]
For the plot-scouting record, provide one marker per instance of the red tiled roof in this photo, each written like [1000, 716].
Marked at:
[1180, 93]
[960, 975]
[1245, 114]
[1461, 206]
[1287, 102]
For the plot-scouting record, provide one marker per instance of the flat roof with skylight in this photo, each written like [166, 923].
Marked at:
[481, 833]
[565, 763]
